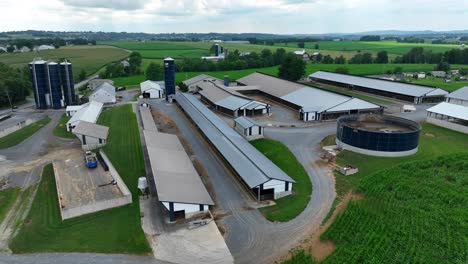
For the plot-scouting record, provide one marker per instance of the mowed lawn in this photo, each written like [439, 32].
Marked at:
[115, 230]
[89, 58]
[7, 199]
[60, 130]
[22, 134]
[288, 207]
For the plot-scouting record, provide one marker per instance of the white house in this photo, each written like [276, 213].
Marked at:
[89, 113]
[248, 128]
[105, 94]
[91, 135]
[303, 54]
[151, 89]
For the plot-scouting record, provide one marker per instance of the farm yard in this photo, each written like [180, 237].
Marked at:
[89, 58]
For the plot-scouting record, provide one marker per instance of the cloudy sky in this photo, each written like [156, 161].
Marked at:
[266, 16]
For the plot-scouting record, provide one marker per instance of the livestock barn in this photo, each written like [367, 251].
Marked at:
[413, 93]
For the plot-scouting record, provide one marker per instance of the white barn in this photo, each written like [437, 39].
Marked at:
[89, 113]
[151, 89]
[459, 97]
[451, 116]
[248, 128]
[105, 94]
[91, 135]
[72, 109]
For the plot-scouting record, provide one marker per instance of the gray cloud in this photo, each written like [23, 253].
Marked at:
[114, 4]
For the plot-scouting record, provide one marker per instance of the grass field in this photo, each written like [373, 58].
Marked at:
[411, 213]
[116, 230]
[357, 69]
[7, 199]
[392, 47]
[22, 134]
[451, 86]
[60, 130]
[89, 58]
[288, 207]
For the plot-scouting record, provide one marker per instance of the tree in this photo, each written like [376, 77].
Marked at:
[279, 56]
[301, 45]
[82, 75]
[10, 49]
[442, 66]
[292, 68]
[342, 70]
[340, 60]
[464, 71]
[382, 57]
[15, 84]
[154, 72]
[317, 46]
[327, 60]
[135, 61]
[397, 70]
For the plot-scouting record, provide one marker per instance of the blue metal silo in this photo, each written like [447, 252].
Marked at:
[66, 74]
[55, 90]
[38, 69]
[216, 50]
[169, 77]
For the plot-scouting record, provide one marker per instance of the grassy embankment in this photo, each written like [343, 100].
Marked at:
[115, 230]
[22, 134]
[288, 207]
[60, 130]
[7, 199]
[407, 203]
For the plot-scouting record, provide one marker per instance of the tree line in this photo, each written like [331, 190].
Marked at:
[119, 69]
[15, 84]
[56, 42]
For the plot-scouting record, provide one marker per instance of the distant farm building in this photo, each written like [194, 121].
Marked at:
[248, 128]
[416, 94]
[310, 102]
[302, 54]
[95, 83]
[459, 97]
[105, 94]
[151, 89]
[191, 84]
[44, 47]
[451, 116]
[439, 74]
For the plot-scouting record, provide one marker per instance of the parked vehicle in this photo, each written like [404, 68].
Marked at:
[91, 159]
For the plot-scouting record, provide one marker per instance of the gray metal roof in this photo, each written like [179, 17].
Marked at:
[310, 99]
[461, 94]
[91, 129]
[245, 122]
[197, 79]
[147, 119]
[251, 165]
[377, 84]
[175, 177]
[452, 110]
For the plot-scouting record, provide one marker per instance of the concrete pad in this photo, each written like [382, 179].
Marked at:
[78, 184]
[204, 244]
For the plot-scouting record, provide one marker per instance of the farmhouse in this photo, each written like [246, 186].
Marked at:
[88, 113]
[416, 94]
[92, 136]
[105, 94]
[451, 116]
[302, 54]
[310, 102]
[227, 101]
[459, 97]
[248, 128]
[151, 89]
[263, 178]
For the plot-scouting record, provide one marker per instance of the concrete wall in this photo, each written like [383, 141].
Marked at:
[375, 153]
[449, 125]
[17, 126]
[279, 187]
[91, 142]
[101, 205]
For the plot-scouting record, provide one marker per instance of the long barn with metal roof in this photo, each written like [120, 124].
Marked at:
[451, 116]
[311, 103]
[258, 173]
[413, 93]
[459, 97]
